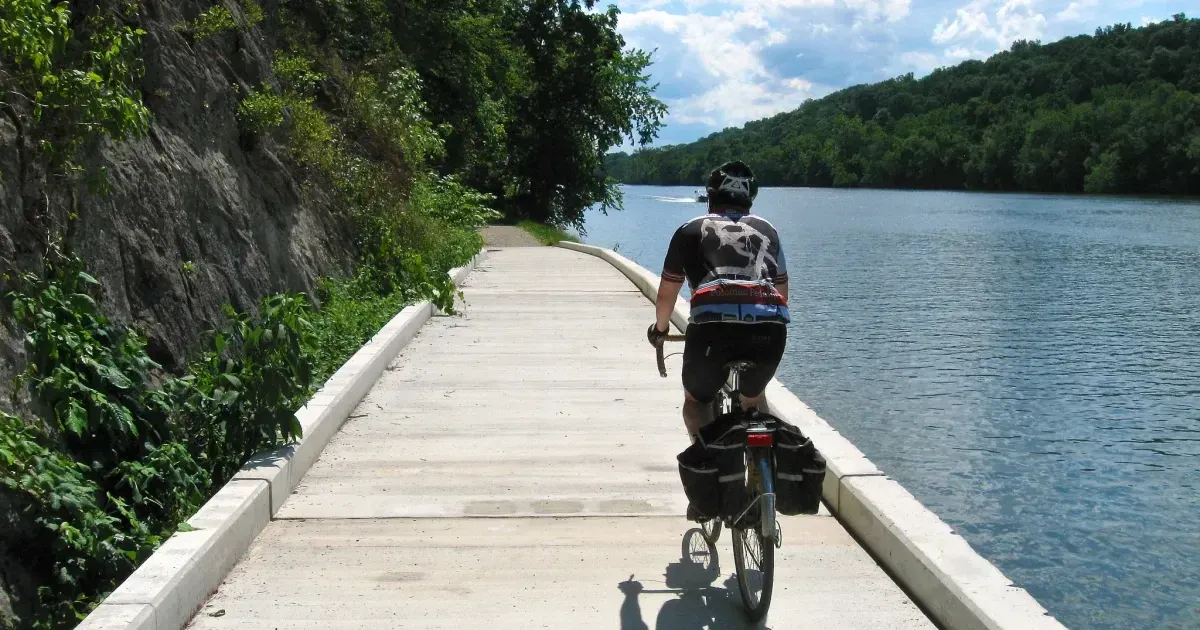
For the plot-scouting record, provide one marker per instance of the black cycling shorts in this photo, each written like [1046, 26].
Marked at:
[712, 345]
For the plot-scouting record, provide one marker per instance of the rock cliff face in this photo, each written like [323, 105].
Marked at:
[195, 216]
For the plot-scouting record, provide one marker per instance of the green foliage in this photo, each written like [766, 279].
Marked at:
[394, 116]
[456, 205]
[92, 376]
[135, 481]
[253, 13]
[547, 234]
[241, 395]
[589, 94]
[1115, 112]
[83, 542]
[529, 95]
[219, 19]
[352, 311]
[68, 79]
[261, 110]
[424, 119]
[405, 242]
[296, 73]
[212, 21]
[149, 454]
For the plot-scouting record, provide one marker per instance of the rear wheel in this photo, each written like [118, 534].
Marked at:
[754, 554]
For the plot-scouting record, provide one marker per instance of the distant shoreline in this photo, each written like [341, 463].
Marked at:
[1144, 196]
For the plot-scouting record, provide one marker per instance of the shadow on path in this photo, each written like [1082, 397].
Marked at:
[700, 604]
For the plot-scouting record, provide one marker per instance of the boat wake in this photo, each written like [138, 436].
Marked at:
[673, 199]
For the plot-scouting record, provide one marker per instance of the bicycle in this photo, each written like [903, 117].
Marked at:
[754, 543]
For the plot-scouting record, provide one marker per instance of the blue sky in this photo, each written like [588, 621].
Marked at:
[722, 63]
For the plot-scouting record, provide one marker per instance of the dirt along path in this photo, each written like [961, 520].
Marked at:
[508, 236]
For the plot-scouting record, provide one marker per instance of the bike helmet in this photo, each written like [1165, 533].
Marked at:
[732, 184]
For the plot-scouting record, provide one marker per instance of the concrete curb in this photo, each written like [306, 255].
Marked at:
[959, 588]
[167, 590]
[641, 278]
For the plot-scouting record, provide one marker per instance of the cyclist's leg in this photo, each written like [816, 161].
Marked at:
[763, 344]
[703, 374]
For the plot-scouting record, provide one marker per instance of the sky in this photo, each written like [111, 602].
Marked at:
[722, 63]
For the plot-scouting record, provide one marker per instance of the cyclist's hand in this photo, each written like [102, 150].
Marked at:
[654, 335]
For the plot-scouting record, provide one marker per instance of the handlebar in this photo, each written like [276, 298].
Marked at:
[662, 363]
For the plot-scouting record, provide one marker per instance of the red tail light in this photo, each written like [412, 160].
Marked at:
[760, 439]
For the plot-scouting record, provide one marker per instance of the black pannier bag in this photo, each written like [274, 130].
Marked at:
[713, 469]
[799, 472]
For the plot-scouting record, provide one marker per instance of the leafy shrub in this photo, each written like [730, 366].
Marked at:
[240, 396]
[219, 19]
[352, 311]
[449, 201]
[295, 72]
[152, 453]
[405, 243]
[84, 546]
[394, 115]
[211, 22]
[93, 380]
[253, 12]
[80, 80]
[261, 111]
[92, 376]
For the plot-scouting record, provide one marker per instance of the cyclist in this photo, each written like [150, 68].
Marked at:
[734, 265]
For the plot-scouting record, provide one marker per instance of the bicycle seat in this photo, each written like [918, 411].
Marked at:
[740, 366]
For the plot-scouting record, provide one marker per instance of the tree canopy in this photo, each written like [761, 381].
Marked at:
[1117, 111]
[530, 94]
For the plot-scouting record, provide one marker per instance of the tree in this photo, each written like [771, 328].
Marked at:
[1114, 111]
[588, 94]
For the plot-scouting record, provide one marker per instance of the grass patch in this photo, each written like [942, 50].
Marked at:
[547, 234]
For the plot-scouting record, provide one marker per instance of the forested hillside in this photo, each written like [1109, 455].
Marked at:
[1118, 111]
[206, 206]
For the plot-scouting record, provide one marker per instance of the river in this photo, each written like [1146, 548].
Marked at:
[1027, 365]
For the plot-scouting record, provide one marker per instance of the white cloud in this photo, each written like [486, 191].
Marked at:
[891, 10]
[716, 42]
[919, 61]
[724, 55]
[1078, 11]
[750, 100]
[1008, 22]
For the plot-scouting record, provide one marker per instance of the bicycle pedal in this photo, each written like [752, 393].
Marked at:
[778, 536]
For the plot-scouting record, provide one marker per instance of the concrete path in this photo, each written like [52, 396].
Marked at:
[514, 468]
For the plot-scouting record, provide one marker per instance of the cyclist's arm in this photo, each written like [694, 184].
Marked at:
[671, 282]
[668, 292]
[780, 274]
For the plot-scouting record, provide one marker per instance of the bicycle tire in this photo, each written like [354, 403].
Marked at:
[756, 583]
[712, 530]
